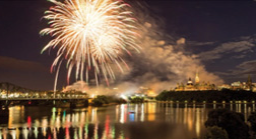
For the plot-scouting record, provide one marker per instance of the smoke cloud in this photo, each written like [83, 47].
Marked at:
[161, 64]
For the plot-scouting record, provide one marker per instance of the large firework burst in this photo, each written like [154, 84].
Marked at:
[90, 35]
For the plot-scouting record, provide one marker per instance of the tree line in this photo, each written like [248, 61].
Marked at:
[208, 96]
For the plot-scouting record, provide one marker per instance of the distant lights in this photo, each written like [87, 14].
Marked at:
[123, 97]
[92, 95]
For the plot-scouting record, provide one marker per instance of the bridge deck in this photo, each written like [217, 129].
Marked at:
[18, 99]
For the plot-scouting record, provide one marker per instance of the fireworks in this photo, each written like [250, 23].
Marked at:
[90, 35]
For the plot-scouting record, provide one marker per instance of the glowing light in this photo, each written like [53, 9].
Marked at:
[151, 93]
[96, 131]
[29, 121]
[1, 134]
[198, 122]
[142, 113]
[67, 132]
[131, 117]
[92, 95]
[44, 125]
[90, 35]
[151, 111]
[123, 115]
[123, 97]
[107, 127]
[94, 115]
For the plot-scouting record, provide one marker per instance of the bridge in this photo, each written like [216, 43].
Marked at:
[21, 99]
[56, 102]
[11, 94]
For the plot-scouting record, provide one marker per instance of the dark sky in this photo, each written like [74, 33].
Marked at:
[222, 33]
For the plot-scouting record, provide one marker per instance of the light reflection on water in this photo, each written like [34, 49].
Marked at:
[126, 121]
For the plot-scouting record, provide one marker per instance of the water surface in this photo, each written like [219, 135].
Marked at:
[126, 121]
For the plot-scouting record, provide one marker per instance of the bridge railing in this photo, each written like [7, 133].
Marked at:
[41, 98]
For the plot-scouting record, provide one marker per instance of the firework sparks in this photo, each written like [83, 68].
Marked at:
[90, 35]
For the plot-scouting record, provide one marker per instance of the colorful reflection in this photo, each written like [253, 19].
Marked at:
[113, 122]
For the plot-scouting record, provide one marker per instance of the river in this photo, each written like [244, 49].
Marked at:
[126, 121]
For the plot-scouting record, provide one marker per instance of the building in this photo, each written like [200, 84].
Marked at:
[236, 85]
[249, 86]
[197, 86]
[224, 86]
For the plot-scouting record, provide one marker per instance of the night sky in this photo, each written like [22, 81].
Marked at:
[220, 33]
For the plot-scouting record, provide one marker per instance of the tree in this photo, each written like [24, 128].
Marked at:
[216, 132]
[232, 122]
[100, 100]
[252, 120]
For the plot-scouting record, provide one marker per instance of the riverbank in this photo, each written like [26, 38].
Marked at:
[211, 96]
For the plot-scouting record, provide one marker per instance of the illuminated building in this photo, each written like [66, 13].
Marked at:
[195, 87]
[190, 86]
[224, 86]
[249, 86]
[236, 85]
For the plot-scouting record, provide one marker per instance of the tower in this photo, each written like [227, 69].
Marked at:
[197, 78]
[249, 80]
[249, 83]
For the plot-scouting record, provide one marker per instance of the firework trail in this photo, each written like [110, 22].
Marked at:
[90, 35]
